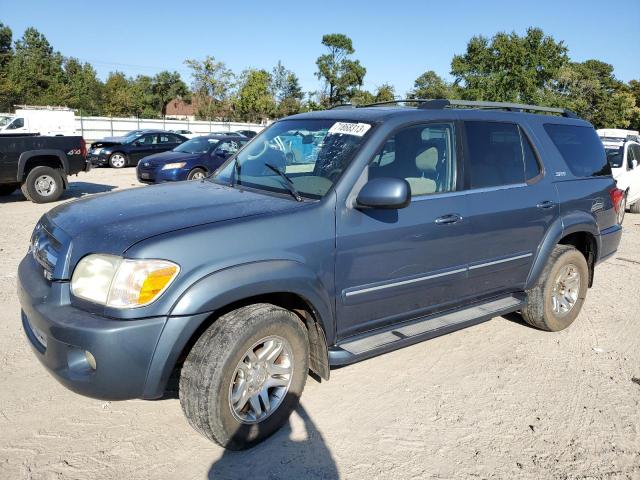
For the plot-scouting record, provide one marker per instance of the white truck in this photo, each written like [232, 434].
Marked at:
[623, 154]
[51, 121]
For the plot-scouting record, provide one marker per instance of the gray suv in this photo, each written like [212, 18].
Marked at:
[330, 238]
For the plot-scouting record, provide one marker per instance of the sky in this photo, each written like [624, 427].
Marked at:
[396, 40]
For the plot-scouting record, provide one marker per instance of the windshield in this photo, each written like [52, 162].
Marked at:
[614, 156]
[4, 121]
[197, 145]
[130, 137]
[311, 153]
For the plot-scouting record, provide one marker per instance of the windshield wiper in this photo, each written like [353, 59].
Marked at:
[287, 181]
[235, 176]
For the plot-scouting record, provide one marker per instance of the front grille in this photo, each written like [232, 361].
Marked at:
[46, 249]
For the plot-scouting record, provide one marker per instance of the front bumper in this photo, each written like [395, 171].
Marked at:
[155, 174]
[97, 160]
[59, 335]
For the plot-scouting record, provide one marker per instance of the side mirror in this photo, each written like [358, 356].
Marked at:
[384, 193]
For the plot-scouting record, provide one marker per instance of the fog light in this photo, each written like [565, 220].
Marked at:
[90, 359]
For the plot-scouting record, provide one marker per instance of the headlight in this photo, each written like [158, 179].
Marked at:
[96, 151]
[173, 166]
[120, 282]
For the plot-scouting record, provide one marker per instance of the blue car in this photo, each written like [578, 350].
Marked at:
[191, 160]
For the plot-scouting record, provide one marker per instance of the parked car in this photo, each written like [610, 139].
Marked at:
[39, 165]
[192, 160]
[399, 232]
[129, 150]
[233, 134]
[247, 133]
[186, 133]
[623, 155]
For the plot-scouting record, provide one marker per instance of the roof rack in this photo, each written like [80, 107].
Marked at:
[441, 103]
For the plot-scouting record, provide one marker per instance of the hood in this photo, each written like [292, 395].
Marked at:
[170, 156]
[105, 143]
[113, 222]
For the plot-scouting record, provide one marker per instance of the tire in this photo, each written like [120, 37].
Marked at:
[635, 207]
[8, 189]
[118, 160]
[540, 311]
[211, 375]
[196, 174]
[43, 185]
[622, 208]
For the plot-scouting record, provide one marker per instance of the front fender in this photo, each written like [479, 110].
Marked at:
[570, 223]
[225, 287]
[25, 156]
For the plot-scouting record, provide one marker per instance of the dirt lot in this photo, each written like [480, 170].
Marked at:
[499, 400]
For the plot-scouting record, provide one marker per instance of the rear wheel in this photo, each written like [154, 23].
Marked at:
[8, 189]
[43, 185]
[556, 300]
[245, 375]
[117, 160]
[196, 174]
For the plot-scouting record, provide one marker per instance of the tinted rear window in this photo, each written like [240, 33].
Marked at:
[581, 149]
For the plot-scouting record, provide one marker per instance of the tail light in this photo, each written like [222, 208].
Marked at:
[83, 148]
[617, 198]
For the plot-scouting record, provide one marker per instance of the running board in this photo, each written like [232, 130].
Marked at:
[393, 337]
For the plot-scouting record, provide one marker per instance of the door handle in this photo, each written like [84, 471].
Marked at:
[448, 219]
[546, 204]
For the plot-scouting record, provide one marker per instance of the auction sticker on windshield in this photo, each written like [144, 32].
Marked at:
[357, 129]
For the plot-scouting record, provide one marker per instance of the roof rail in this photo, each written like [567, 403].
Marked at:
[512, 107]
[342, 106]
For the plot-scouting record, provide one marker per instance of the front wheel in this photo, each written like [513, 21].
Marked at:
[556, 300]
[117, 160]
[245, 374]
[196, 174]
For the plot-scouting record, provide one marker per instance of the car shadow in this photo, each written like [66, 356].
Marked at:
[280, 456]
[74, 190]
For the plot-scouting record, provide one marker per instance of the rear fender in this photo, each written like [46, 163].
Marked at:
[563, 226]
[25, 156]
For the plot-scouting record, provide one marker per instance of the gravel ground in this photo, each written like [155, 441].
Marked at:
[498, 400]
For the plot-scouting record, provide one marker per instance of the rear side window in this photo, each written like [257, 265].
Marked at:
[580, 148]
[495, 154]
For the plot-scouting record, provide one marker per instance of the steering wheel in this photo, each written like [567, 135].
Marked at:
[265, 147]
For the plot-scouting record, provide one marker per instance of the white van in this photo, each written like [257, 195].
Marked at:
[623, 154]
[42, 120]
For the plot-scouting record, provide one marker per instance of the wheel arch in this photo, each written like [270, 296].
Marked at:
[578, 229]
[216, 294]
[45, 157]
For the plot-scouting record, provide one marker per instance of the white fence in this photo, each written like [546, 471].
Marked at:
[94, 128]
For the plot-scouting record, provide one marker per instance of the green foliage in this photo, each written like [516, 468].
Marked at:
[385, 93]
[342, 75]
[509, 67]
[6, 52]
[634, 89]
[286, 90]
[255, 100]
[165, 87]
[121, 97]
[431, 85]
[212, 87]
[592, 91]
[82, 89]
[362, 97]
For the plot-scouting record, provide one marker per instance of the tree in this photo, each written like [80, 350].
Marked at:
[362, 97]
[121, 98]
[82, 88]
[431, 85]
[7, 93]
[165, 87]
[255, 99]
[35, 70]
[634, 89]
[286, 90]
[592, 91]
[341, 75]
[212, 87]
[509, 67]
[385, 93]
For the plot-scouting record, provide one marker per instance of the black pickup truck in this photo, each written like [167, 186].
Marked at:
[40, 165]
